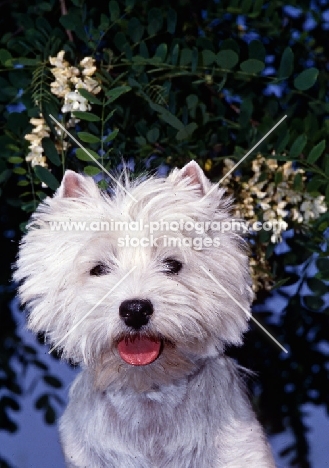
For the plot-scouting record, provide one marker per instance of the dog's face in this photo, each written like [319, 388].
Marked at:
[137, 298]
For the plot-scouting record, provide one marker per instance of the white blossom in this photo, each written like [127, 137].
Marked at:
[41, 130]
[68, 79]
[75, 102]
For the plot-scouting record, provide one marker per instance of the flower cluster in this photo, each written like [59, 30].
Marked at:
[69, 79]
[269, 195]
[40, 131]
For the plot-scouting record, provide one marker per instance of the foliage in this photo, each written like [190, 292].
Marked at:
[179, 81]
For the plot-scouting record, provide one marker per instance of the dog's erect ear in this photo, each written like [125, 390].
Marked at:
[73, 185]
[196, 177]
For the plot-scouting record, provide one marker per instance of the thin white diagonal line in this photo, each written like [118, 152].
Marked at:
[245, 310]
[92, 309]
[245, 156]
[92, 157]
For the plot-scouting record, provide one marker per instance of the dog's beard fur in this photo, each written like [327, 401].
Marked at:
[192, 316]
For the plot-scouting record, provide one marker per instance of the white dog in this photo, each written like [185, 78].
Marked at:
[139, 307]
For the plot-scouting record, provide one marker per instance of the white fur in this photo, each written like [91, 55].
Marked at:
[187, 408]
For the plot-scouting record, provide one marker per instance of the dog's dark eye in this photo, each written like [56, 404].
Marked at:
[100, 270]
[172, 266]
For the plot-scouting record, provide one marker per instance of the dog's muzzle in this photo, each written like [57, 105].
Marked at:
[136, 348]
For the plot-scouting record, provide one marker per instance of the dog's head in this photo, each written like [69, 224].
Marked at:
[141, 286]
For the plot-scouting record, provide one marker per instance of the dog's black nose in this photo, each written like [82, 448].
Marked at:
[136, 312]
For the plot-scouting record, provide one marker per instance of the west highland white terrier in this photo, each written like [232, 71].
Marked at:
[139, 307]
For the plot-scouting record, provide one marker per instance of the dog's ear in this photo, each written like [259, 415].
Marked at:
[75, 186]
[195, 175]
[72, 185]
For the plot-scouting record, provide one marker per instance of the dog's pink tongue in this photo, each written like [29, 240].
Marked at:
[139, 351]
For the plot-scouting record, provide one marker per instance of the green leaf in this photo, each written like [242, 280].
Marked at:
[11, 146]
[186, 132]
[282, 142]
[155, 21]
[314, 184]
[26, 61]
[208, 57]
[222, 83]
[89, 96]
[105, 22]
[19, 170]
[257, 50]
[316, 152]
[327, 167]
[19, 78]
[185, 57]
[257, 8]
[230, 44]
[171, 21]
[195, 59]
[130, 4]
[91, 170]
[9, 91]
[171, 119]
[175, 54]
[317, 286]
[83, 156]
[313, 302]
[45, 6]
[246, 6]
[90, 117]
[322, 263]
[327, 195]
[68, 21]
[139, 60]
[192, 100]
[153, 135]
[4, 175]
[4, 56]
[29, 207]
[280, 283]
[51, 151]
[141, 140]
[15, 160]
[286, 63]
[110, 114]
[324, 275]
[135, 30]
[143, 51]
[41, 195]
[115, 93]
[111, 136]
[120, 40]
[298, 182]
[306, 79]
[46, 177]
[161, 52]
[227, 59]
[167, 116]
[23, 183]
[298, 146]
[114, 10]
[252, 66]
[88, 137]
[246, 111]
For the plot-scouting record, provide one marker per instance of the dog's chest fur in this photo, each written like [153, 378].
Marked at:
[174, 427]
